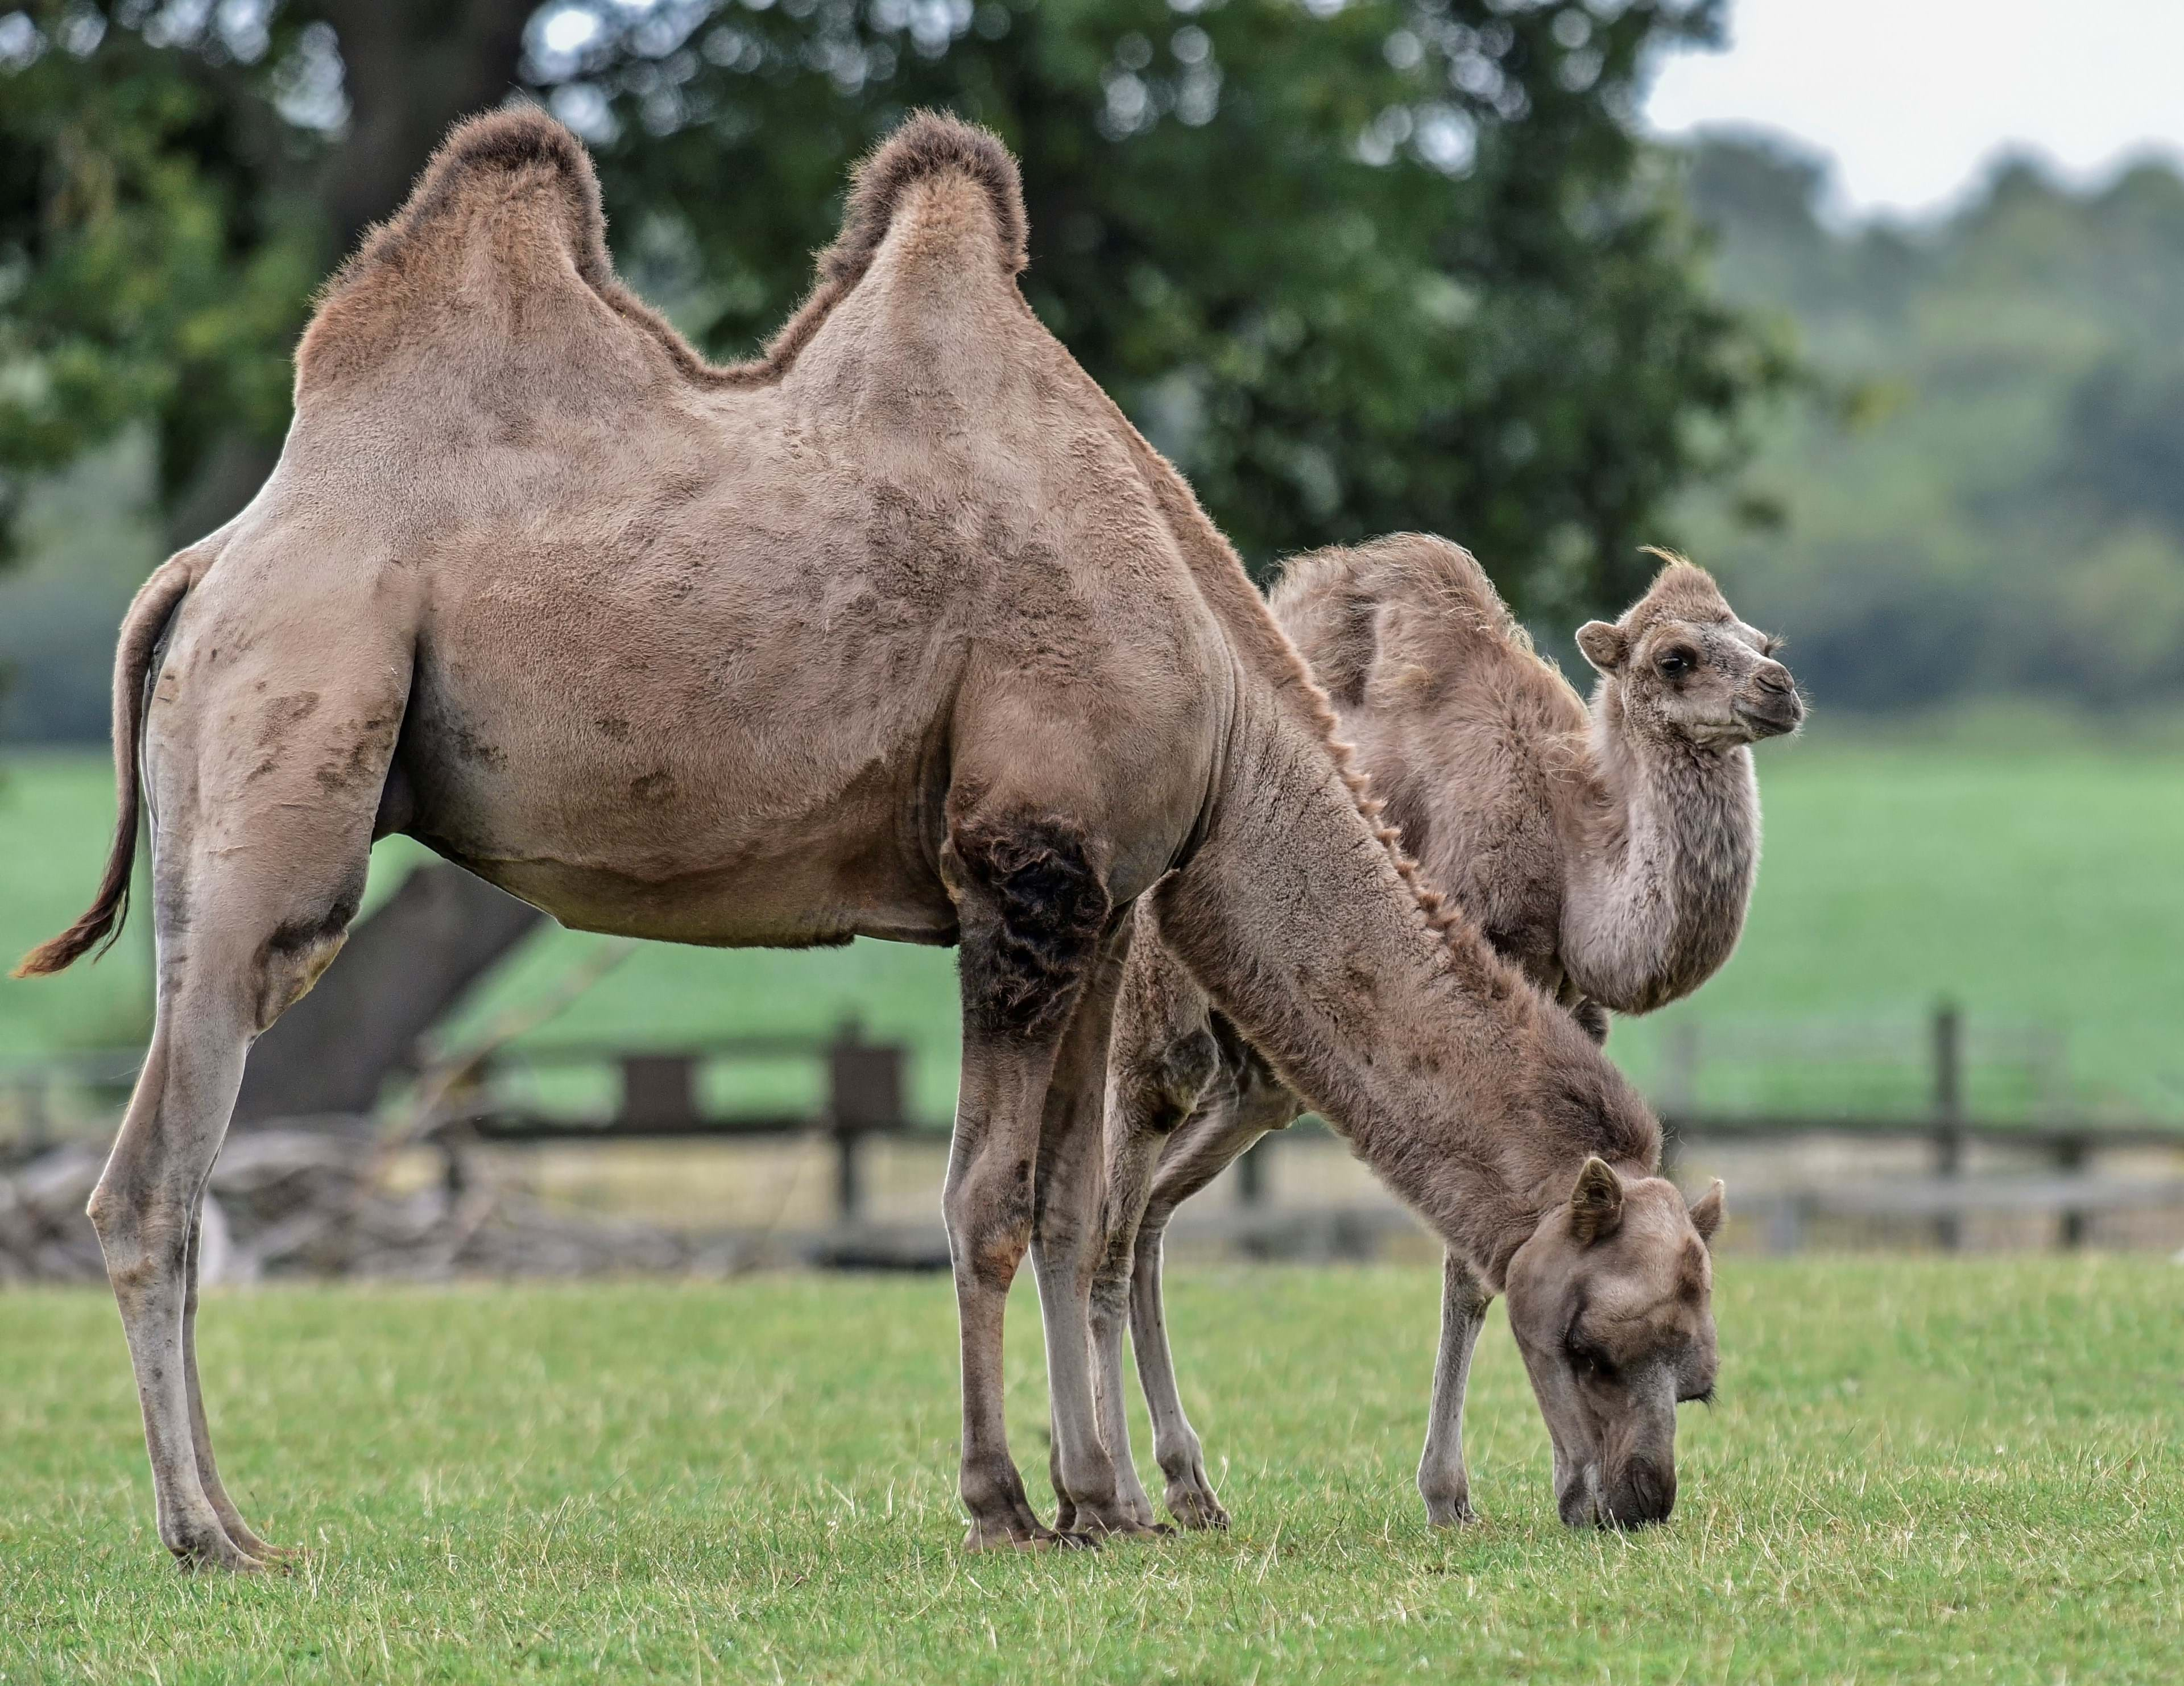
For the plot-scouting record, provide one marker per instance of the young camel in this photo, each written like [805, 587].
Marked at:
[900, 630]
[1610, 854]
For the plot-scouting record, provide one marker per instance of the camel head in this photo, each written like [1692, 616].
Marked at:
[1682, 665]
[1610, 1302]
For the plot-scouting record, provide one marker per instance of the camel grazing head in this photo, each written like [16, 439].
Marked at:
[1610, 1302]
[1682, 665]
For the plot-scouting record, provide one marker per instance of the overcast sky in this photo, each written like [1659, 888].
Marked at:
[1913, 99]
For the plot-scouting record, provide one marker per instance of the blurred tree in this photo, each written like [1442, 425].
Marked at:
[1358, 266]
[2005, 513]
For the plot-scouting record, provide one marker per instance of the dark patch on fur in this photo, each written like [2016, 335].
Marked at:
[1023, 968]
[653, 788]
[307, 931]
[283, 714]
[611, 728]
[471, 747]
[365, 762]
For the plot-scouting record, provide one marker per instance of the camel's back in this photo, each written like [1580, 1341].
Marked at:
[1473, 741]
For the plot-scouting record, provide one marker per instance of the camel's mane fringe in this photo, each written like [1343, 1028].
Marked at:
[1444, 919]
[521, 144]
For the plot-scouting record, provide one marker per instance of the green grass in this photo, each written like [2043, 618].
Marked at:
[2039, 887]
[1944, 1472]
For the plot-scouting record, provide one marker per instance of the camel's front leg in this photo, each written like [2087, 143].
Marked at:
[1443, 1481]
[1031, 911]
[1090, 1471]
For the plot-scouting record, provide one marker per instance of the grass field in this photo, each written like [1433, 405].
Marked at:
[1916, 1471]
[2038, 886]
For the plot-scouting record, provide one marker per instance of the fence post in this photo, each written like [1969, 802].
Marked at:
[2069, 1159]
[1948, 1112]
[1251, 1173]
[864, 1082]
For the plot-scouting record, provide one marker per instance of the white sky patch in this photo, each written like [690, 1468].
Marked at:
[1915, 99]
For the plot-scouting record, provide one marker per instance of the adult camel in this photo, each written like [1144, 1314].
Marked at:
[900, 630]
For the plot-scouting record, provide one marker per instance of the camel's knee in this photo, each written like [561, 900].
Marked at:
[989, 1211]
[1034, 907]
[1113, 1270]
[143, 1233]
[1157, 1090]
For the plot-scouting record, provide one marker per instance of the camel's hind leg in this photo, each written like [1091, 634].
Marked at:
[239, 1532]
[260, 856]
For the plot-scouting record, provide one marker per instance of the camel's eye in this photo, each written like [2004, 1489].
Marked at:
[1675, 664]
[1593, 1363]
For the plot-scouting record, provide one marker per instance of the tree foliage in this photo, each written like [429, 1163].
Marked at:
[1999, 508]
[1358, 265]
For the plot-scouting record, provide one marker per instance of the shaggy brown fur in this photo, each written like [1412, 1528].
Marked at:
[900, 631]
[1611, 855]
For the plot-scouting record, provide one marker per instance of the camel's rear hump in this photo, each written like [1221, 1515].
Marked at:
[1334, 603]
[502, 242]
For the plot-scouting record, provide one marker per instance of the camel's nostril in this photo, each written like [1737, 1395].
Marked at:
[1774, 679]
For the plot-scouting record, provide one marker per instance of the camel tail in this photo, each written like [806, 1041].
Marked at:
[101, 924]
[930, 144]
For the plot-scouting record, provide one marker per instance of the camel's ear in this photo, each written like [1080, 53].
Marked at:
[1596, 1204]
[1707, 1212]
[1603, 644]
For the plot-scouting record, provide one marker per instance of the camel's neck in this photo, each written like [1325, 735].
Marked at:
[1662, 869]
[1469, 1094]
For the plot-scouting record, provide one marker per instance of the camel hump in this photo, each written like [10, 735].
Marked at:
[517, 159]
[1330, 603]
[513, 187]
[928, 147]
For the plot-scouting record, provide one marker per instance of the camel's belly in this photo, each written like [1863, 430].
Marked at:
[852, 867]
[670, 802]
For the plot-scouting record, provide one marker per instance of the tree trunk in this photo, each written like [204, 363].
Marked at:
[412, 67]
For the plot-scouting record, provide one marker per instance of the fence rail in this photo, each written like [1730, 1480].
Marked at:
[658, 1095]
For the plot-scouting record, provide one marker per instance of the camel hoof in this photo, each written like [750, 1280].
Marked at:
[202, 1554]
[1450, 1513]
[1122, 1525]
[272, 1555]
[1014, 1534]
[1195, 1508]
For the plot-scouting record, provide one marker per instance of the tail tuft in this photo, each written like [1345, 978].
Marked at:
[100, 929]
[929, 144]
